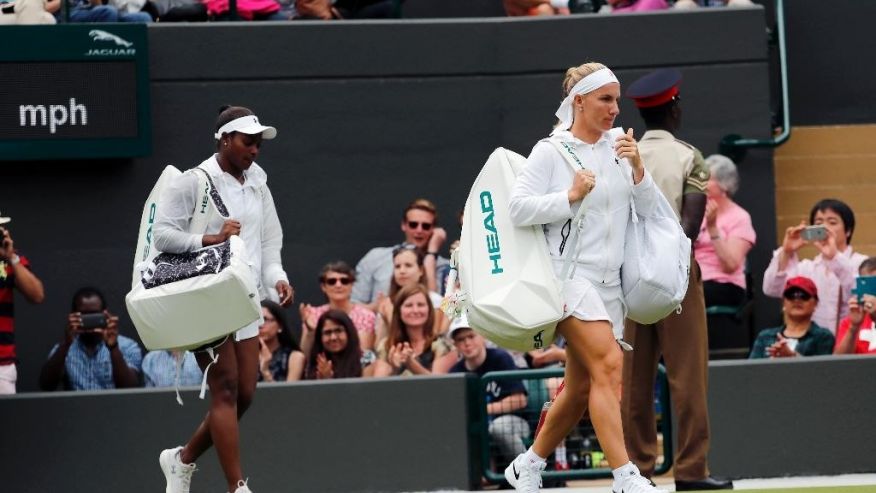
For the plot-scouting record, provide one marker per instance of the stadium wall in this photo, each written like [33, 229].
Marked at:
[370, 116]
[807, 416]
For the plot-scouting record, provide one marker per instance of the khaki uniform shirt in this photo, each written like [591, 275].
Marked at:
[676, 166]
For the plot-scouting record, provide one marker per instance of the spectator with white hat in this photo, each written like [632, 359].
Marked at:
[504, 397]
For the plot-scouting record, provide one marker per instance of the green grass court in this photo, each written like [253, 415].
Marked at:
[817, 489]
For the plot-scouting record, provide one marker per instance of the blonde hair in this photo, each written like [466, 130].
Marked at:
[575, 74]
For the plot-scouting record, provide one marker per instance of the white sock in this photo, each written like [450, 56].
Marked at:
[560, 454]
[531, 457]
[625, 470]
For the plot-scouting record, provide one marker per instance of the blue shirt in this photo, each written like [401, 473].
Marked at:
[95, 372]
[159, 370]
[497, 360]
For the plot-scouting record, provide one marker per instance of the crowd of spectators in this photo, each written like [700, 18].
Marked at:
[383, 317]
[145, 11]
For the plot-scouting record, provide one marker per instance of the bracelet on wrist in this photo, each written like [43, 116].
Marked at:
[432, 253]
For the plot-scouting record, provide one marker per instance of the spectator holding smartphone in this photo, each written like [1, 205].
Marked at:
[92, 355]
[857, 332]
[833, 269]
[14, 274]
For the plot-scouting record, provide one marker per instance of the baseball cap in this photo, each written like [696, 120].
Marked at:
[803, 284]
[4, 220]
[458, 323]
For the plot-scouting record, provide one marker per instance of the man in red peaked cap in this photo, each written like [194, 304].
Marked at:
[679, 170]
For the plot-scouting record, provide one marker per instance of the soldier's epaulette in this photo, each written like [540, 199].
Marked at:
[685, 144]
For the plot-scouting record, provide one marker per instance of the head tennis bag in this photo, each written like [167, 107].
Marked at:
[507, 281]
[182, 301]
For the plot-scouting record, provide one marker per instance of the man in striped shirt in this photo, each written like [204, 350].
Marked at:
[14, 274]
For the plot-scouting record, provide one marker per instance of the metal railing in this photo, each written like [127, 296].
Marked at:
[584, 456]
[734, 145]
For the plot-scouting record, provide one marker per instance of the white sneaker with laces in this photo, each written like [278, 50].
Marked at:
[242, 487]
[635, 483]
[177, 474]
[524, 476]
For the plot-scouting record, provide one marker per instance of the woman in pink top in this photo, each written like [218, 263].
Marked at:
[336, 282]
[725, 238]
[833, 269]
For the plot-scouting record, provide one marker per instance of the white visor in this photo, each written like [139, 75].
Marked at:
[248, 125]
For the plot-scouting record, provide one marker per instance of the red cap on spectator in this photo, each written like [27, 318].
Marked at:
[802, 283]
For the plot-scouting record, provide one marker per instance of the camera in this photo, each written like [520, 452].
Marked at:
[91, 321]
[814, 233]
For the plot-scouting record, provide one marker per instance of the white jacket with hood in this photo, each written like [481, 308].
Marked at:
[540, 197]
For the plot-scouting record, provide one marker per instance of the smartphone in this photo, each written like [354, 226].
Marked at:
[91, 321]
[865, 285]
[814, 233]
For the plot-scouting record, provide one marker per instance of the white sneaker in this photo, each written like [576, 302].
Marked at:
[635, 483]
[524, 476]
[177, 474]
[242, 487]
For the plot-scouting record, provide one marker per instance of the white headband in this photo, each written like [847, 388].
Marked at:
[248, 124]
[590, 83]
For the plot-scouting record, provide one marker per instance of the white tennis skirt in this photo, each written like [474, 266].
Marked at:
[589, 301]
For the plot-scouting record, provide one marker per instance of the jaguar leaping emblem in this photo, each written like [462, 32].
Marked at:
[99, 35]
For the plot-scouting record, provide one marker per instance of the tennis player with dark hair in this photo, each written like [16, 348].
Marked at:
[233, 372]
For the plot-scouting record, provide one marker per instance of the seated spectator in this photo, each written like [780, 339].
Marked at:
[159, 369]
[407, 270]
[336, 352]
[336, 282]
[98, 11]
[280, 357]
[799, 335]
[516, 8]
[725, 238]
[504, 397]
[624, 6]
[412, 347]
[374, 271]
[15, 273]
[857, 333]
[177, 10]
[692, 4]
[251, 10]
[833, 270]
[89, 357]
[28, 11]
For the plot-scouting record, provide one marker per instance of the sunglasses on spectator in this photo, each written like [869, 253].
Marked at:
[337, 331]
[798, 295]
[417, 224]
[403, 247]
[331, 281]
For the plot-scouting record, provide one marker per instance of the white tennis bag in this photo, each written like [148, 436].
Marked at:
[656, 267]
[507, 281]
[182, 301]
